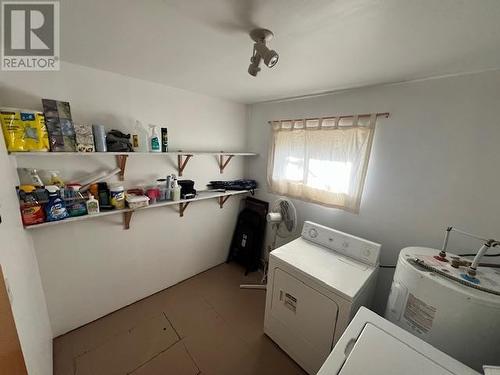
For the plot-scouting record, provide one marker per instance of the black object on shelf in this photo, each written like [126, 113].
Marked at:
[242, 184]
[116, 141]
[249, 234]
[103, 196]
[187, 189]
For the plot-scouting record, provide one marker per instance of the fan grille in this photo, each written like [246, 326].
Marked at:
[289, 217]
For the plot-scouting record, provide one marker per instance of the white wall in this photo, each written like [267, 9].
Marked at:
[91, 268]
[20, 268]
[435, 161]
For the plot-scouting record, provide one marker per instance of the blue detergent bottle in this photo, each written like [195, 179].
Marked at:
[55, 208]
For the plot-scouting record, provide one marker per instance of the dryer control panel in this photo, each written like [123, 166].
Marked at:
[354, 247]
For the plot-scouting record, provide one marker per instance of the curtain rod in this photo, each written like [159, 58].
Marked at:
[379, 114]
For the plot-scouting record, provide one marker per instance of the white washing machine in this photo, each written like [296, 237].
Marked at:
[375, 346]
[316, 284]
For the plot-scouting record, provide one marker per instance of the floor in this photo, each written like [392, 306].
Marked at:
[204, 325]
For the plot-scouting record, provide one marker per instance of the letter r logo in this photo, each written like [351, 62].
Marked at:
[19, 29]
[28, 28]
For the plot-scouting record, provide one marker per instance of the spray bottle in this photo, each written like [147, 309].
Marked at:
[154, 140]
[55, 208]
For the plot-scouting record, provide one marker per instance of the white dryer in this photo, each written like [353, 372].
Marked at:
[316, 284]
[375, 346]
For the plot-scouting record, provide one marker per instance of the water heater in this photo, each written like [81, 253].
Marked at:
[435, 299]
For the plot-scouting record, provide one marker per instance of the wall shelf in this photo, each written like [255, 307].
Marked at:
[183, 157]
[127, 213]
[180, 152]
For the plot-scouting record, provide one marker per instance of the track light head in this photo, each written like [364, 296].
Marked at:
[254, 67]
[261, 52]
[269, 56]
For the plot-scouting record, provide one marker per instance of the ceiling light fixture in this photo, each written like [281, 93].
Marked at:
[261, 52]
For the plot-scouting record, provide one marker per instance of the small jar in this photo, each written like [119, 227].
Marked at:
[117, 194]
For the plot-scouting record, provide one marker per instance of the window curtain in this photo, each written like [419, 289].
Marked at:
[321, 160]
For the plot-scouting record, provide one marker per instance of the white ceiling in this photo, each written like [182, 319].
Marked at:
[324, 45]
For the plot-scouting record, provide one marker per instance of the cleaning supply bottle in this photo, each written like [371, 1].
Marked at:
[154, 140]
[55, 179]
[34, 177]
[164, 140]
[92, 205]
[161, 184]
[176, 191]
[168, 192]
[55, 208]
[140, 138]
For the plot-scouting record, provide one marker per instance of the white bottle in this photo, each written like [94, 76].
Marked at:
[92, 205]
[140, 138]
[176, 191]
[154, 140]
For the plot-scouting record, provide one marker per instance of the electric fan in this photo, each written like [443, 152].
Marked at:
[283, 220]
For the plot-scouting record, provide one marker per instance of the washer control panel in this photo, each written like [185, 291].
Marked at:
[358, 248]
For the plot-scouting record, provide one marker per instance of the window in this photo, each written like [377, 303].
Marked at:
[321, 160]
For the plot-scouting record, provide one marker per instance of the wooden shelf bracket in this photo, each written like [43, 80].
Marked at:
[182, 208]
[121, 162]
[223, 200]
[181, 164]
[127, 216]
[223, 163]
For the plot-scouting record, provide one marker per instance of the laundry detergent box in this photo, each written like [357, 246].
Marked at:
[24, 130]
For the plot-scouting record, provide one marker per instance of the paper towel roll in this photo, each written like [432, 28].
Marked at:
[274, 217]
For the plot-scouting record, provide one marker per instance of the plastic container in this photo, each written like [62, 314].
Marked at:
[103, 196]
[75, 203]
[93, 189]
[117, 195]
[99, 138]
[32, 213]
[33, 176]
[28, 189]
[154, 140]
[92, 205]
[135, 191]
[137, 201]
[164, 140]
[55, 179]
[55, 208]
[140, 138]
[31, 209]
[153, 194]
[161, 184]
[169, 185]
[176, 191]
